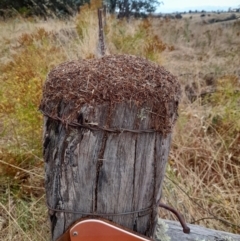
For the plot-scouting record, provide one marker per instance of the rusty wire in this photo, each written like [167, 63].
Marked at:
[213, 216]
[94, 127]
[141, 212]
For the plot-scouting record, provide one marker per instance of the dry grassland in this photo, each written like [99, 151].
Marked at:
[204, 158]
[203, 176]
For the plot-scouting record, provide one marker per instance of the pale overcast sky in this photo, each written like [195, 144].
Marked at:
[185, 5]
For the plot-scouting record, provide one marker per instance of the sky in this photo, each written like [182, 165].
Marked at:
[186, 5]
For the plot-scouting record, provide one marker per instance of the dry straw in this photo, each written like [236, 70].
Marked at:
[112, 79]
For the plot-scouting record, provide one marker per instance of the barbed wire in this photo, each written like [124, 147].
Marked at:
[96, 127]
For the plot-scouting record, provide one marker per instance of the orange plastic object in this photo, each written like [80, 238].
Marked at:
[98, 230]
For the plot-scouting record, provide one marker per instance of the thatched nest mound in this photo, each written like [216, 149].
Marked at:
[112, 79]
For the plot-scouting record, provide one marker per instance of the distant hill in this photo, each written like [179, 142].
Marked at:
[163, 9]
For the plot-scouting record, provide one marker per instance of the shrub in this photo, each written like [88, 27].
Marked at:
[21, 87]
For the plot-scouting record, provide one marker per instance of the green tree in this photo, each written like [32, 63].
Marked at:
[44, 7]
[127, 8]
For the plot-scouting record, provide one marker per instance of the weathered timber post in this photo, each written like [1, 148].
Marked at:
[101, 42]
[107, 134]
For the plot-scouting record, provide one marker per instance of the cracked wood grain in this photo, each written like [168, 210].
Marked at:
[101, 172]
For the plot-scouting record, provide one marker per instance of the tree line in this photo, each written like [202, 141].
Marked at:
[59, 8]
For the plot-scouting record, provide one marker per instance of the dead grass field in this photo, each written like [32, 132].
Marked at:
[202, 159]
[202, 178]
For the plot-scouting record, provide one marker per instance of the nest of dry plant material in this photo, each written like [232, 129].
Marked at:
[112, 79]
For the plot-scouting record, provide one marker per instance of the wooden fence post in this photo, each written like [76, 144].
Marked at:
[101, 41]
[107, 134]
